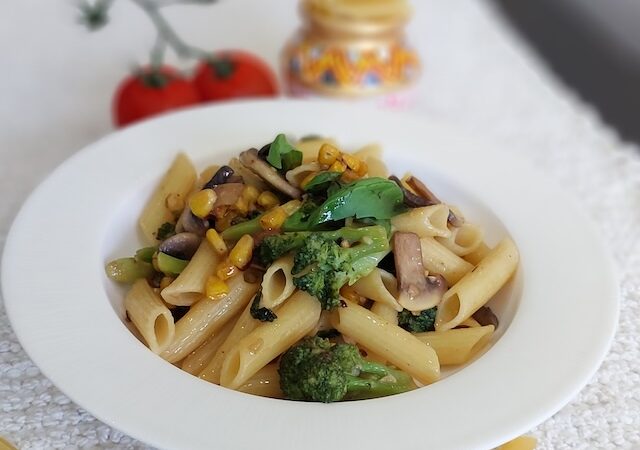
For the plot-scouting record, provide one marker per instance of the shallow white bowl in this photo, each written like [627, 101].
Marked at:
[557, 316]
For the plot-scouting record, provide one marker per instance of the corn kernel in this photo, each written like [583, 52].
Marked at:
[240, 256]
[165, 281]
[268, 200]
[348, 176]
[328, 154]
[250, 193]
[337, 166]
[363, 169]
[216, 241]
[226, 270]
[174, 202]
[216, 287]
[201, 203]
[242, 206]
[291, 206]
[351, 161]
[273, 219]
[307, 179]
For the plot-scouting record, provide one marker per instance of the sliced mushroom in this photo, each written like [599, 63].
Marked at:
[181, 245]
[485, 316]
[416, 292]
[410, 199]
[251, 160]
[192, 224]
[220, 177]
[227, 194]
[423, 191]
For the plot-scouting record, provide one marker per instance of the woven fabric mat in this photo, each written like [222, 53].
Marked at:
[478, 75]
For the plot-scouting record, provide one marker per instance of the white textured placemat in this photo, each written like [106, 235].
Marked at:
[55, 93]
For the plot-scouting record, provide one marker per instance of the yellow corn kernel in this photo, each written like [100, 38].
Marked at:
[216, 287]
[240, 256]
[250, 193]
[273, 219]
[166, 281]
[307, 179]
[242, 206]
[363, 169]
[348, 176]
[337, 166]
[226, 270]
[328, 154]
[174, 203]
[216, 241]
[351, 161]
[291, 206]
[201, 203]
[268, 200]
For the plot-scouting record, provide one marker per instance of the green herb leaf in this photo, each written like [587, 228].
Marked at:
[377, 198]
[299, 220]
[322, 181]
[283, 155]
[262, 314]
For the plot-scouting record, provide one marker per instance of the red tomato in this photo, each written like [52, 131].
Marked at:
[235, 74]
[150, 92]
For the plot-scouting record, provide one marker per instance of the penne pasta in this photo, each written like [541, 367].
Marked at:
[189, 287]
[201, 356]
[389, 341]
[478, 254]
[427, 221]
[178, 182]
[266, 383]
[207, 316]
[459, 345]
[277, 282]
[520, 443]
[470, 323]
[268, 340]
[385, 311]
[379, 286]
[478, 286]
[463, 240]
[150, 316]
[436, 258]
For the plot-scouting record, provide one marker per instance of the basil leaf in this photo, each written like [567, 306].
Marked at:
[282, 155]
[370, 197]
[321, 181]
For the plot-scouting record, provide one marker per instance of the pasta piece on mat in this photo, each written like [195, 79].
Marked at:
[268, 340]
[478, 286]
[207, 316]
[438, 259]
[389, 341]
[150, 316]
[459, 345]
[520, 443]
[189, 287]
[177, 181]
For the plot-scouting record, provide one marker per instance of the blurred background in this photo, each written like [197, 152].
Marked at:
[593, 46]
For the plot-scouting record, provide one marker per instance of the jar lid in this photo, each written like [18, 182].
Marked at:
[357, 16]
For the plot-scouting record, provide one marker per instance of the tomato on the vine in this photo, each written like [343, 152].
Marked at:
[151, 91]
[233, 74]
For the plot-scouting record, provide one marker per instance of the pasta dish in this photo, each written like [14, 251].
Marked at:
[304, 272]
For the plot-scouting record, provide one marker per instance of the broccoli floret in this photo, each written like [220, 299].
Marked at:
[277, 245]
[316, 370]
[263, 314]
[418, 323]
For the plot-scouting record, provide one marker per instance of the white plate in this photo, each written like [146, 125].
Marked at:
[557, 316]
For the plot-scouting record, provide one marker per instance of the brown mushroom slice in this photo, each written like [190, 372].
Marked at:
[182, 245]
[423, 191]
[227, 194]
[189, 222]
[485, 316]
[410, 199]
[416, 292]
[250, 159]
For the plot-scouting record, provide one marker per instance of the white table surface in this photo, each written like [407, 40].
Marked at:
[55, 90]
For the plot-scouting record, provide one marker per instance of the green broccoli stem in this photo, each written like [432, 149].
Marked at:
[235, 232]
[363, 388]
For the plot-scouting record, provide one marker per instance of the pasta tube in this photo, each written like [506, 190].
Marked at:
[207, 316]
[177, 181]
[463, 240]
[379, 286]
[150, 316]
[478, 254]
[295, 319]
[265, 383]
[277, 282]
[189, 287]
[389, 341]
[459, 345]
[425, 222]
[200, 357]
[436, 258]
[478, 286]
